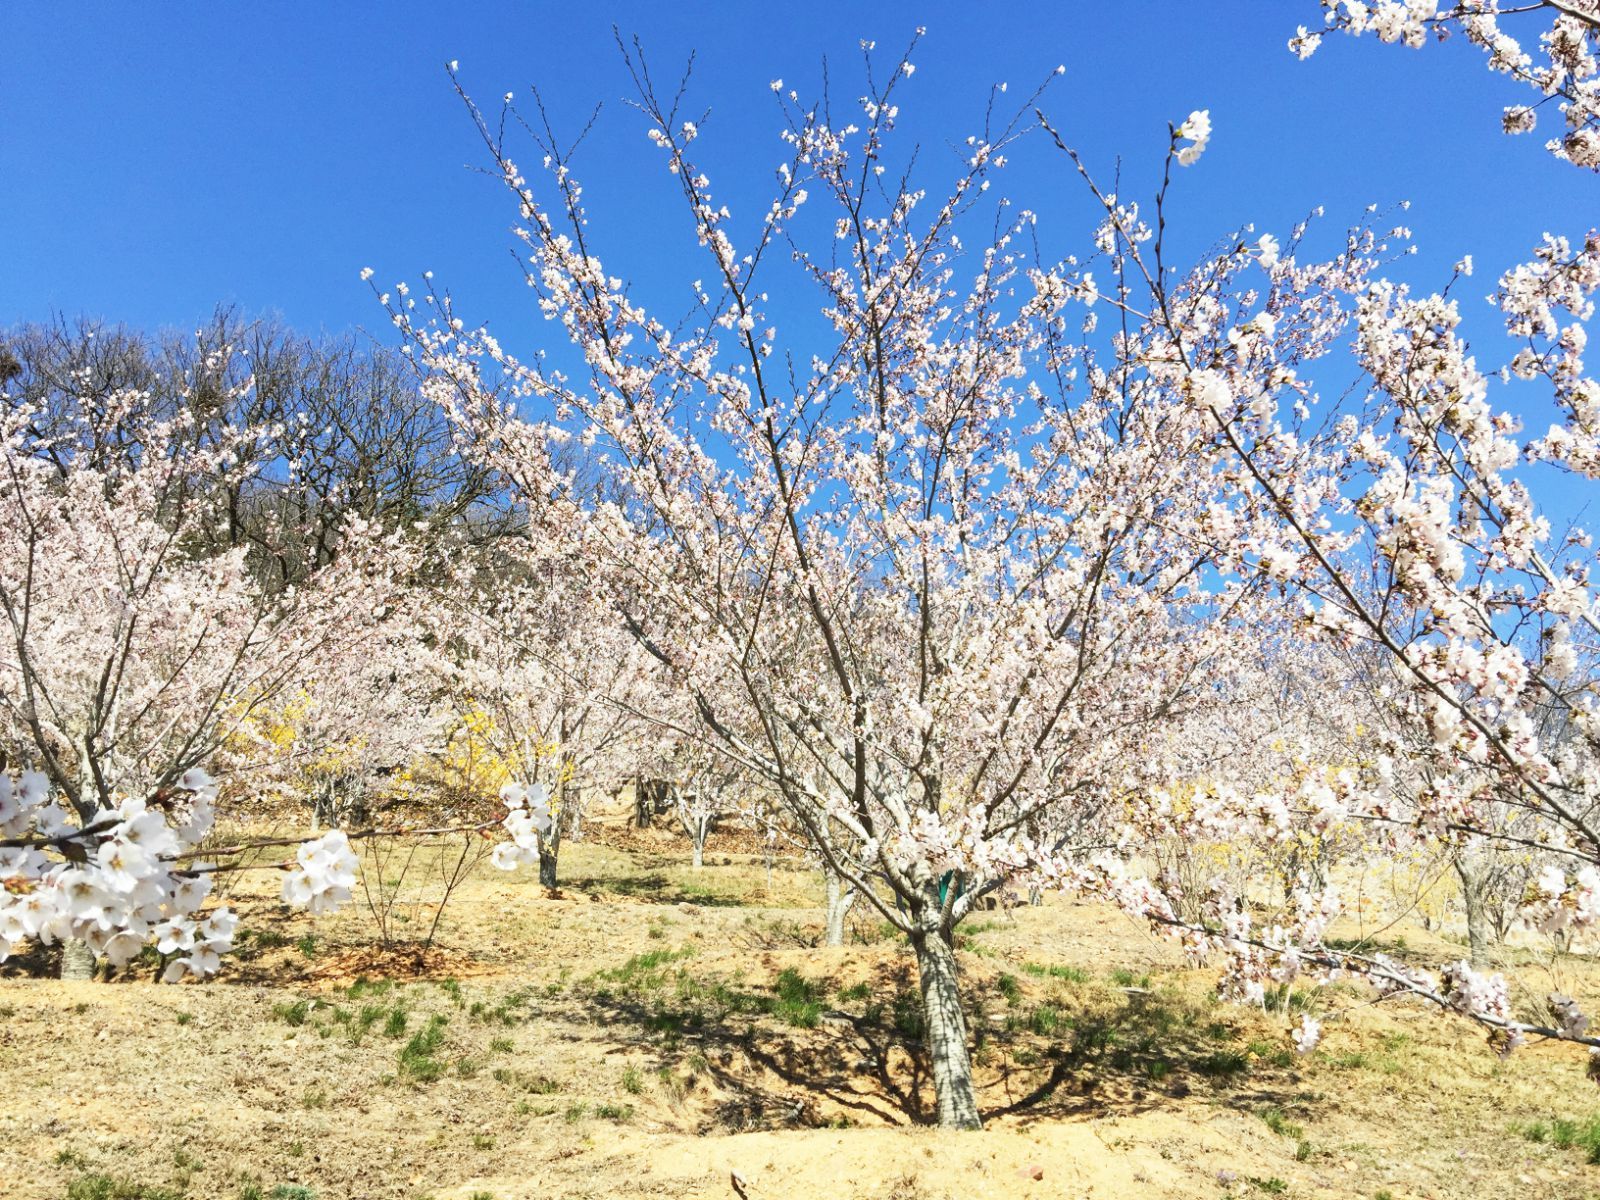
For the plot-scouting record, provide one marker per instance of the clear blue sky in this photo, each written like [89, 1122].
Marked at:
[156, 159]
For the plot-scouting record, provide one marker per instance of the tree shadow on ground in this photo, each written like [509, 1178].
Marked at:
[795, 1051]
[653, 888]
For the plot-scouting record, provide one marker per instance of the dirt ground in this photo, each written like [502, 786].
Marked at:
[652, 1031]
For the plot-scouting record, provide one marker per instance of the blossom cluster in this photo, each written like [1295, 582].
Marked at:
[323, 874]
[1566, 66]
[114, 882]
[526, 822]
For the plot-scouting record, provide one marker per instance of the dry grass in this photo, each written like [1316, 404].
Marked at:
[651, 1028]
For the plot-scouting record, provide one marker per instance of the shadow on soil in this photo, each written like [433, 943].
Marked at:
[799, 1051]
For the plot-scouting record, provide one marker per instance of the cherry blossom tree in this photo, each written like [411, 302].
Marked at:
[705, 785]
[1402, 519]
[137, 654]
[556, 678]
[360, 727]
[931, 570]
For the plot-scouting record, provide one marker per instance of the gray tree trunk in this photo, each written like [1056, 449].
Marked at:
[77, 960]
[946, 1033]
[549, 850]
[699, 838]
[840, 901]
[547, 867]
[1472, 903]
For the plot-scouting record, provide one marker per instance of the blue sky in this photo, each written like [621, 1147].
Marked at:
[158, 159]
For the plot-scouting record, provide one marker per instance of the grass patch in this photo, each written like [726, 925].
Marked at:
[108, 1187]
[672, 1000]
[1567, 1134]
[1046, 1020]
[643, 968]
[293, 1014]
[1222, 1064]
[799, 1001]
[417, 1061]
[1278, 1121]
[1271, 1053]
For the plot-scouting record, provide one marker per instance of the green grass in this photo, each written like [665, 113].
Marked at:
[1278, 1121]
[1046, 1020]
[1567, 1134]
[799, 1001]
[641, 967]
[369, 987]
[417, 1061]
[1220, 1064]
[675, 1000]
[355, 1023]
[1269, 1052]
[1056, 971]
[107, 1187]
[292, 1014]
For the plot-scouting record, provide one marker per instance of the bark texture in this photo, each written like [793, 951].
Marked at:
[946, 1033]
[77, 960]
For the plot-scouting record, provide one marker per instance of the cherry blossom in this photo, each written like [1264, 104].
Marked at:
[324, 873]
[1563, 68]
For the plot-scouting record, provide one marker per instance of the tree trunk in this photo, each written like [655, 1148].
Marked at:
[77, 960]
[1472, 902]
[946, 1032]
[549, 849]
[547, 867]
[840, 901]
[700, 851]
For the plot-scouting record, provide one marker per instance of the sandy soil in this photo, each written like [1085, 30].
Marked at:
[653, 1031]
